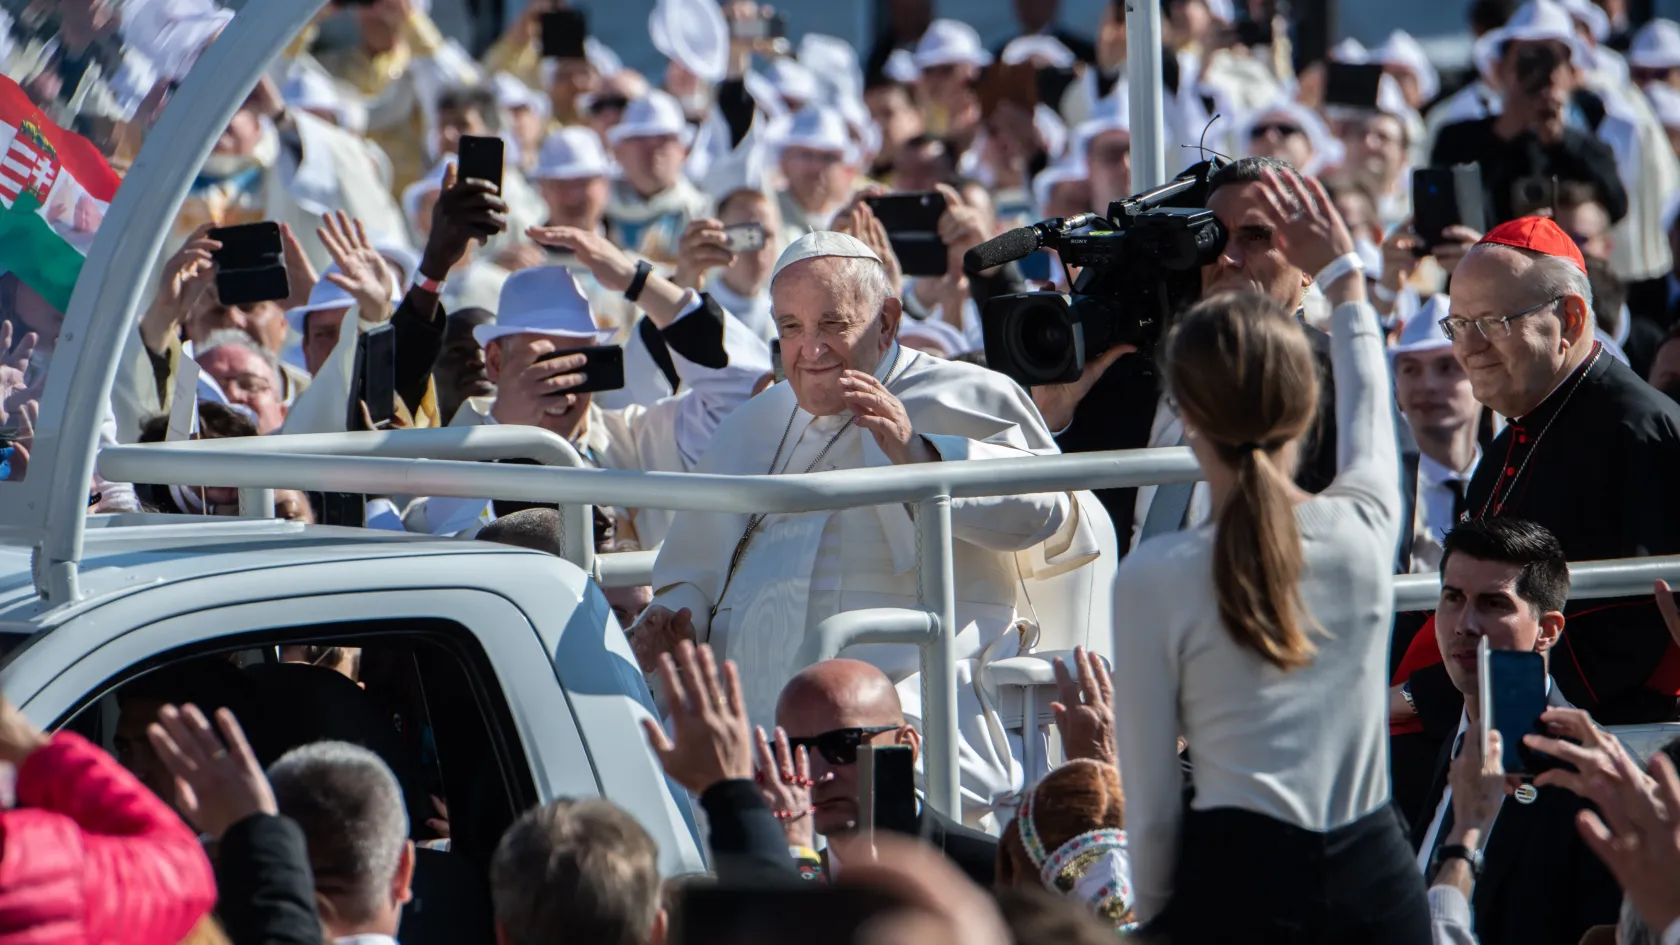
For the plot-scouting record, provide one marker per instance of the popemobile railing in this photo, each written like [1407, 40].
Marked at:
[439, 463]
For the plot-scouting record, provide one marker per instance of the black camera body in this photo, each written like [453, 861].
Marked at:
[1133, 279]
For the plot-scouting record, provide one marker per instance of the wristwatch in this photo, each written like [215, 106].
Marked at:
[1406, 694]
[1458, 851]
[637, 281]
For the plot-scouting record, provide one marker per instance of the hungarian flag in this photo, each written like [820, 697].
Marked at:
[54, 189]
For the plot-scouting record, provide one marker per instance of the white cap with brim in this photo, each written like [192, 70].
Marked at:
[901, 66]
[820, 243]
[654, 114]
[1422, 332]
[1535, 21]
[1588, 14]
[572, 153]
[327, 297]
[547, 301]
[793, 81]
[1404, 51]
[819, 128]
[601, 56]
[834, 64]
[1111, 113]
[1327, 151]
[1656, 46]
[694, 34]
[950, 42]
[1039, 46]
[513, 94]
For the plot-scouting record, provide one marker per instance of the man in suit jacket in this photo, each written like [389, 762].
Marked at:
[1507, 580]
[837, 706]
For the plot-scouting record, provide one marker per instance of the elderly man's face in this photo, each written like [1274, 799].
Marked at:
[1517, 364]
[1434, 392]
[826, 328]
[581, 202]
[249, 380]
[818, 179]
[1252, 260]
[320, 336]
[651, 163]
[836, 791]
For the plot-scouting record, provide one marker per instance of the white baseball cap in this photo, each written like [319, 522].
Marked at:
[819, 128]
[546, 300]
[901, 66]
[1656, 46]
[820, 243]
[656, 113]
[512, 94]
[833, 63]
[693, 33]
[572, 153]
[793, 80]
[949, 42]
[1404, 51]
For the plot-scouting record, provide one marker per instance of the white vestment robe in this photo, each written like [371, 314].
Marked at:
[801, 568]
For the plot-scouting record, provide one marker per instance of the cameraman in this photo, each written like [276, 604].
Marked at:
[1116, 402]
[1532, 140]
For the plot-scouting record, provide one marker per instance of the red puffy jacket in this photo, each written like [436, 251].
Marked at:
[91, 857]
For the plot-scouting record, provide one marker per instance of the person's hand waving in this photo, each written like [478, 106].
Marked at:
[1637, 834]
[362, 271]
[1591, 750]
[215, 786]
[14, 365]
[710, 740]
[877, 410]
[1309, 230]
[611, 266]
[1085, 714]
[860, 221]
[784, 778]
[187, 276]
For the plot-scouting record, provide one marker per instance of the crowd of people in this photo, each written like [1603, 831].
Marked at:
[1266, 750]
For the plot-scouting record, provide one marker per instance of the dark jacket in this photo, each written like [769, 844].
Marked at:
[748, 843]
[973, 852]
[1505, 164]
[266, 890]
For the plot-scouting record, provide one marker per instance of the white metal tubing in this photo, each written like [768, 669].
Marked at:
[872, 625]
[113, 277]
[1147, 90]
[256, 503]
[1623, 577]
[170, 462]
[936, 586]
[625, 568]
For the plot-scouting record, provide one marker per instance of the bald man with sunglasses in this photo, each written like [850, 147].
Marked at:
[832, 709]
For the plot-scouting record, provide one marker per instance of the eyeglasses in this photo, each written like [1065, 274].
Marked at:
[1492, 329]
[840, 746]
[1283, 130]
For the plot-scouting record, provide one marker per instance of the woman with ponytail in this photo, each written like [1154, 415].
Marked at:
[1262, 636]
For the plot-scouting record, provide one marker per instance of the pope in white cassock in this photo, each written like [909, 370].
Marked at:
[854, 397]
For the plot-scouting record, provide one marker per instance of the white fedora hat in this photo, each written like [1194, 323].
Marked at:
[656, 113]
[1656, 46]
[1534, 21]
[948, 42]
[693, 33]
[1422, 332]
[819, 128]
[572, 153]
[542, 301]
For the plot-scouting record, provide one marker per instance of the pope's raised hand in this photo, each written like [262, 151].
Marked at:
[874, 408]
[657, 632]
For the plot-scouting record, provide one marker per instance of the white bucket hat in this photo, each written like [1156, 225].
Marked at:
[948, 42]
[1327, 151]
[656, 113]
[693, 33]
[1656, 46]
[834, 64]
[901, 66]
[792, 80]
[1589, 15]
[601, 56]
[513, 94]
[1534, 21]
[546, 300]
[1038, 46]
[819, 128]
[571, 153]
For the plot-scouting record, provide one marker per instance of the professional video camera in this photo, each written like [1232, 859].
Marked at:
[1134, 276]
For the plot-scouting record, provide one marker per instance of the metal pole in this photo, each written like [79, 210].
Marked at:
[256, 503]
[1031, 745]
[936, 589]
[1147, 91]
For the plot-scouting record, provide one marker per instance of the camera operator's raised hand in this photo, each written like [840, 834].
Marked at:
[1312, 234]
[1636, 832]
[702, 247]
[710, 739]
[215, 786]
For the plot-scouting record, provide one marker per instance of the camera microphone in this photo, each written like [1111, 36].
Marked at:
[1020, 242]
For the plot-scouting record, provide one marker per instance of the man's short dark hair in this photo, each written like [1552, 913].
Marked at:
[215, 421]
[354, 822]
[537, 529]
[471, 98]
[1248, 170]
[1544, 581]
[579, 871]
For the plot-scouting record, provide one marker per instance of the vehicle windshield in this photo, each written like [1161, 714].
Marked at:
[81, 84]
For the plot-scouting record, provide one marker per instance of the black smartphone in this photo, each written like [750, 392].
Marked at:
[1443, 197]
[604, 367]
[563, 33]
[807, 913]
[887, 789]
[776, 368]
[481, 158]
[1512, 686]
[373, 380]
[912, 224]
[1352, 85]
[344, 508]
[743, 237]
[251, 265]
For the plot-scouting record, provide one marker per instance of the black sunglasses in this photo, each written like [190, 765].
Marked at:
[609, 103]
[839, 747]
[1283, 130]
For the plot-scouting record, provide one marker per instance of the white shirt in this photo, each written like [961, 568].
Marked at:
[1435, 508]
[1307, 747]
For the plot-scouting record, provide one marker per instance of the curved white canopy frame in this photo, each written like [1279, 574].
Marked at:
[48, 508]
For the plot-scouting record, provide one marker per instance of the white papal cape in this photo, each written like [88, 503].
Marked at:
[801, 568]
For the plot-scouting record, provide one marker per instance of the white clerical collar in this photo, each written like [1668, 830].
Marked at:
[1435, 473]
[368, 938]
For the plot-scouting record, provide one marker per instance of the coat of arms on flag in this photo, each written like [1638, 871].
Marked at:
[29, 166]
